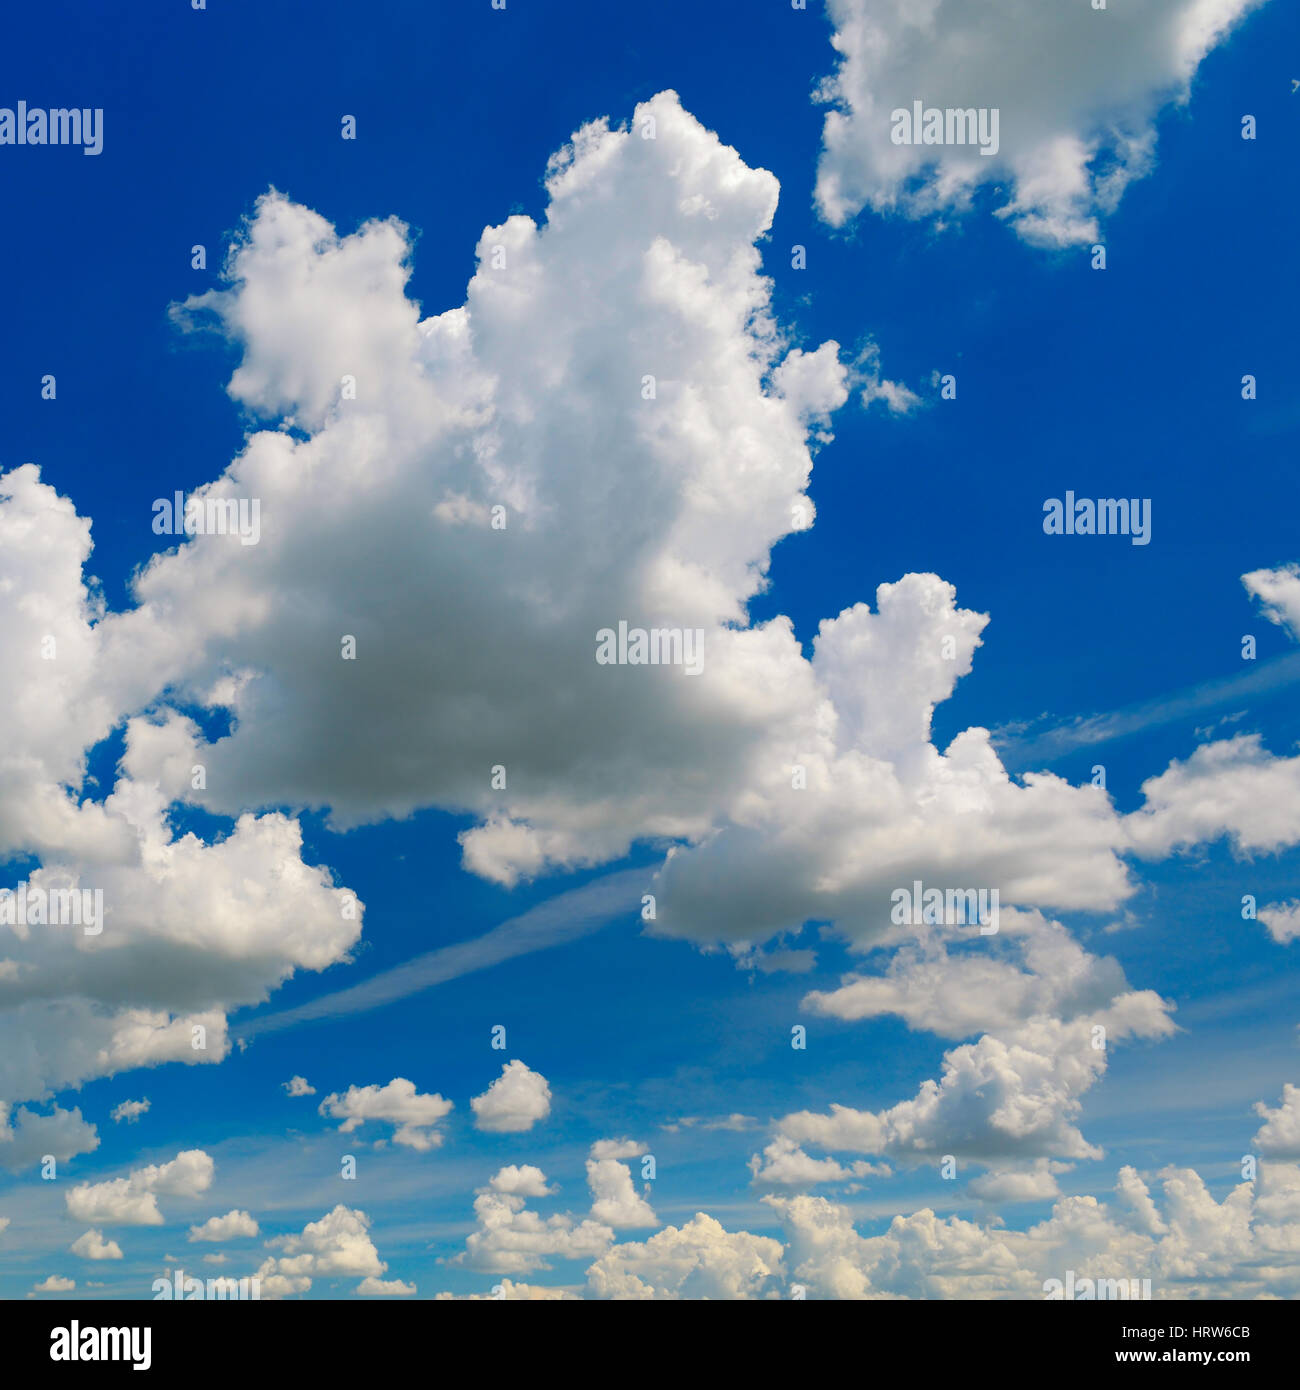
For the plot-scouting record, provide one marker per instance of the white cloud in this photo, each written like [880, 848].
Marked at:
[1011, 1097]
[698, 1260]
[298, 1086]
[517, 1100]
[617, 1148]
[507, 1291]
[784, 1164]
[1279, 1136]
[133, 1200]
[336, 1246]
[646, 266]
[130, 1110]
[370, 1287]
[62, 1133]
[1282, 920]
[615, 1200]
[415, 1116]
[522, 1180]
[955, 985]
[1279, 592]
[1233, 789]
[54, 1283]
[93, 1246]
[510, 1239]
[235, 1223]
[1077, 92]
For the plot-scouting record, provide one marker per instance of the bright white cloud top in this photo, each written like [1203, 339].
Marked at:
[1077, 91]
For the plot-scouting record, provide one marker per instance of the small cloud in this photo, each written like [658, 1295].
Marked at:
[55, 1283]
[93, 1246]
[130, 1110]
[298, 1086]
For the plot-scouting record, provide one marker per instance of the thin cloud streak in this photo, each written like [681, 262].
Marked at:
[563, 918]
[1021, 751]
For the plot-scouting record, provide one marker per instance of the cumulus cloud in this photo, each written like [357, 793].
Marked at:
[1279, 593]
[298, 1086]
[30, 1136]
[957, 987]
[1016, 1096]
[617, 1148]
[522, 1180]
[1279, 1136]
[336, 1246]
[55, 1283]
[1232, 789]
[1076, 90]
[1192, 1246]
[370, 1287]
[233, 1224]
[512, 1239]
[517, 1100]
[133, 1200]
[697, 1260]
[615, 1200]
[130, 1110]
[398, 1103]
[1187, 1243]
[93, 1246]
[783, 1164]
[1282, 920]
[511, 1292]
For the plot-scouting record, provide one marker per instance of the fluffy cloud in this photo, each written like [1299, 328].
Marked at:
[336, 1246]
[531, 397]
[511, 1239]
[31, 1136]
[370, 1287]
[1279, 592]
[615, 1200]
[55, 1283]
[517, 1100]
[1195, 1246]
[522, 1180]
[784, 1164]
[1233, 789]
[298, 1086]
[1282, 921]
[1188, 1244]
[234, 1223]
[133, 1200]
[399, 1103]
[190, 928]
[697, 1260]
[854, 800]
[954, 985]
[93, 1246]
[130, 1110]
[1011, 1097]
[1077, 91]
[1279, 1136]
[510, 1292]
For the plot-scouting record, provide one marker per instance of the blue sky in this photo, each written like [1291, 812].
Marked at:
[1122, 382]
